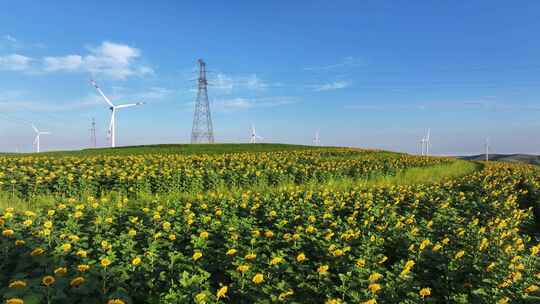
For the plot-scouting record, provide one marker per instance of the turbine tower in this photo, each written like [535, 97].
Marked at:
[93, 139]
[113, 108]
[317, 139]
[254, 136]
[428, 143]
[36, 139]
[202, 131]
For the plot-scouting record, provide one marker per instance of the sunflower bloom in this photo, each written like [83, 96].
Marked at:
[258, 278]
[197, 255]
[136, 261]
[48, 280]
[424, 292]
[222, 292]
[105, 262]
[60, 271]
[531, 288]
[374, 288]
[78, 281]
[459, 255]
[242, 268]
[17, 284]
[374, 277]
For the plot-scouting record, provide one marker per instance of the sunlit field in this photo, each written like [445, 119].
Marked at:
[266, 224]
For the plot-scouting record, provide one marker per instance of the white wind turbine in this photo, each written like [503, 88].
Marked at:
[421, 146]
[113, 108]
[254, 135]
[425, 143]
[317, 139]
[36, 139]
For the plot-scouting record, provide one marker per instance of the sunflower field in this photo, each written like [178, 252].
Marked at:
[471, 239]
[158, 173]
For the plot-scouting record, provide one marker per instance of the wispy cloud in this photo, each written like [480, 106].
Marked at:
[240, 103]
[155, 93]
[15, 62]
[66, 63]
[227, 83]
[113, 60]
[447, 106]
[8, 41]
[15, 101]
[346, 62]
[336, 85]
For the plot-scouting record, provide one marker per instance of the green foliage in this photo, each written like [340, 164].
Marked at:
[310, 226]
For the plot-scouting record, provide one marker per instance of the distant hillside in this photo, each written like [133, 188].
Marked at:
[513, 158]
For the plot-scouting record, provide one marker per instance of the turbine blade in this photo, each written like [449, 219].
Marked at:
[101, 93]
[35, 129]
[129, 105]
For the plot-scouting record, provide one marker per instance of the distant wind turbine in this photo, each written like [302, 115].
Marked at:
[113, 108]
[425, 144]
[37, 138]
[254, 136]
[317, 139]
[428, 141]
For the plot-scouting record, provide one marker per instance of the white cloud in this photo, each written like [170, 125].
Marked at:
[18, 103]
[66, 63]
[346, 62]
[113, 60]
[240, 103]
[228, 83]
[233, 104]
[155, 93]
[15, 62]
[336, 85]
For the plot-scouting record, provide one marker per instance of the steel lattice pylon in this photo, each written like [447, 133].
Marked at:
[202, 131]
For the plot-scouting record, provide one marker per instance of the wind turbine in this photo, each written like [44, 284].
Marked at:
[424, 144]
[317, 139]
[254, 135]
[113, 108]
[36, 139]
[421, 146]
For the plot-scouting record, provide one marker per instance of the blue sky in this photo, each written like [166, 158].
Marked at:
[371, 74]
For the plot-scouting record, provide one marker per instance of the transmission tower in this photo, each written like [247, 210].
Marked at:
[202, 131]
[93, 133]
